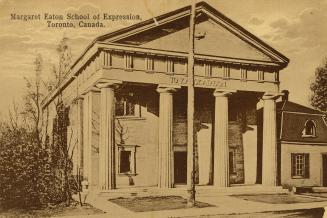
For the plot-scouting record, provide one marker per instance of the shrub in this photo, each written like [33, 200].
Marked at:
[30, 175]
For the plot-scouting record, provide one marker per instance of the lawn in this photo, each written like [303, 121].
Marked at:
[278, 198]
[143, 204]
[59, 210]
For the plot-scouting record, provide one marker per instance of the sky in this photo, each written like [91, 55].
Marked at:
[296, 28]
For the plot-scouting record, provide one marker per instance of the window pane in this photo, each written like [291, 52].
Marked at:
[120, 108]
[130, 109]
[125, 161]
[125, 107]
[300, 165]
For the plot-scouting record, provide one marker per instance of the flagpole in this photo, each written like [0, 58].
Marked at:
[190, 112]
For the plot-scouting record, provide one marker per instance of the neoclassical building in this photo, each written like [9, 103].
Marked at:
[126, 101]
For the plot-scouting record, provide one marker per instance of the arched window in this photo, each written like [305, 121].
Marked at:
[309, 129]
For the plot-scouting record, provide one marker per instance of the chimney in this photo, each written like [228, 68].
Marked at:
[286, 93]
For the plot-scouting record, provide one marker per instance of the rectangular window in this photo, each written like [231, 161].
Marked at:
[300, 165]
[126, 159]
[125, 162]
[127, 106]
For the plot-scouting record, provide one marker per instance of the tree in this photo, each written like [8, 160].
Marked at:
[32, 99]
[34, 172]
[319, 88]
[63, 146]
[64, 61]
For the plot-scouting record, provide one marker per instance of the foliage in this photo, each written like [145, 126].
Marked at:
[23, 169]
[62, 151]
[34, 169]
[32, 100]
[319, 88]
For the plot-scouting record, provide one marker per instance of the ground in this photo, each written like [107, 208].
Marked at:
[142, 204]
[60, 210]
[279, 198]
[308, 213]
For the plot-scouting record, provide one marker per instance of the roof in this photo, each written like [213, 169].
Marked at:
[294, 107]
[159, 26]
[228, 41]
[293, 120]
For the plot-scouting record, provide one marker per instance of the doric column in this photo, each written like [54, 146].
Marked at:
[221, 149]
[165, 150]
[107, 173]
[269, 147]
[87, 121]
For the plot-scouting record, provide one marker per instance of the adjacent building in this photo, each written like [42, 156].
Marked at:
[302, 141]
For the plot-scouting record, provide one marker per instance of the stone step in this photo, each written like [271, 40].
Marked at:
[319, 189]
[309, 189]
[181, 191]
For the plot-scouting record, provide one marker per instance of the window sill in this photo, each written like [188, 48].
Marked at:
[127, 174]
[129, 118]
[299, 177]
[309, 136]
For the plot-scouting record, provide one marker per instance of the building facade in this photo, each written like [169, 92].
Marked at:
[302, 140]
[126, 101]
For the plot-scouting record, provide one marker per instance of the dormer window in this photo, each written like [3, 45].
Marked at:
[309, 129]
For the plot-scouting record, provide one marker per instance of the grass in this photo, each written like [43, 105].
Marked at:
[59, 210]
[143, 204]
[278, 198]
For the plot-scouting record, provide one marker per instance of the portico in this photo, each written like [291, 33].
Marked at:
[131, 91]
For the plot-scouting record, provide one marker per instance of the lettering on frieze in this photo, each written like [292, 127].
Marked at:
[199, 82]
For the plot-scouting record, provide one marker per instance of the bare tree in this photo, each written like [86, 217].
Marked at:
[32, 99]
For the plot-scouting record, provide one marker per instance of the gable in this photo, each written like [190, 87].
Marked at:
[216, 41]
[219, 36]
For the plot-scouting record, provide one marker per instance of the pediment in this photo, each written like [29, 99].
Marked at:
[216, 35]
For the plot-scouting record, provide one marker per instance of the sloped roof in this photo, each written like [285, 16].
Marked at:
[169, 31]
[293, 120]
[294, 107]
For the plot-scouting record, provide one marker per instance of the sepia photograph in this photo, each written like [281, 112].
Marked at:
[163, 108]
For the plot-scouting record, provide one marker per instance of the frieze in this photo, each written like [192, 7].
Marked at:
[199, 82]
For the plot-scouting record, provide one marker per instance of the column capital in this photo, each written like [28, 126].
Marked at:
[167, 88]
[223, 92]
[271, 96]
[104, 83]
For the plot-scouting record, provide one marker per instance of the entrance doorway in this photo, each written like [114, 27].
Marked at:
[324, 170]
[180, 167]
